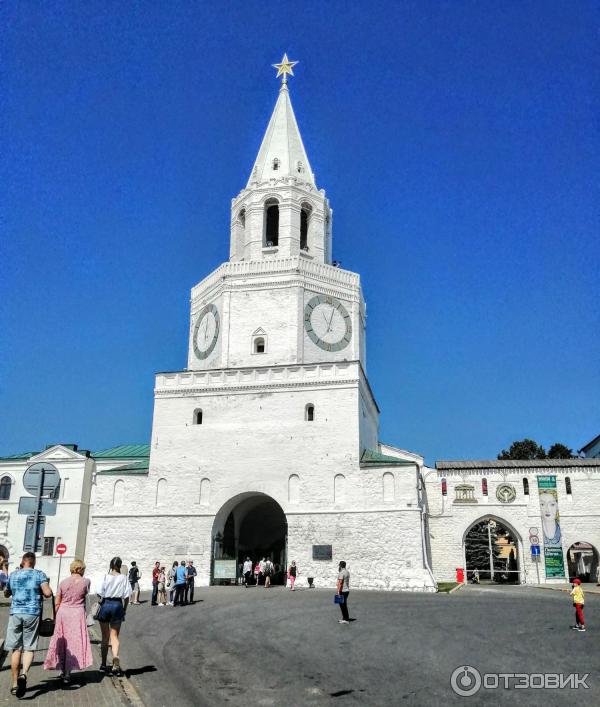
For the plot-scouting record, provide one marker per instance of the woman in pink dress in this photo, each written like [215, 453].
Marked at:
[70, 647]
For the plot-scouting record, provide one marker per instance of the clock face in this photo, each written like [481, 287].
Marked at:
[327, 323]
[206, 331]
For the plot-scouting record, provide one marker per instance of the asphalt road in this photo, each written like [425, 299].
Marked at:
[273, 647]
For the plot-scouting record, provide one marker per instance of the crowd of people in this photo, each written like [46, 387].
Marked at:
[265, 573]
[70, 647]
[173, 587]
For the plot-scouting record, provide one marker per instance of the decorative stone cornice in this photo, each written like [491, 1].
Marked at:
[259, 378]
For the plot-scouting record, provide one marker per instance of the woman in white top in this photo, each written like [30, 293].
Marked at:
[114, 593]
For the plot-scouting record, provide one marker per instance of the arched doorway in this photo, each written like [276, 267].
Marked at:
[582, 560]
[249, 525]
[491, 548]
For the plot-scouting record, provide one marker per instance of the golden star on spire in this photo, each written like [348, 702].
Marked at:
[286, 67]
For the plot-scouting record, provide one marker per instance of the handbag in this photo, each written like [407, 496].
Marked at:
[47, 625]
[339, 599]
[96, 606]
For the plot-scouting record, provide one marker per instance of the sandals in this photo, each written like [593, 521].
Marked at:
[21, 685]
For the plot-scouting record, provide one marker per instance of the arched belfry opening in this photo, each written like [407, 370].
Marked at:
[249, 525]
[271, 223]
[304, 222]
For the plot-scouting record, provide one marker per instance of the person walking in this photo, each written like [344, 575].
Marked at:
[162, 587]
[292, 574]
[261, 576]
[180, 584]
[189, 586]
[155, 572]
[26, 586]
[247, 571]
[114, 594]
[268, 571]
[256, 573]
[171, 582]
[70, 647]
[578, 602]
[134, 580]
[3, 574]
[343, 589]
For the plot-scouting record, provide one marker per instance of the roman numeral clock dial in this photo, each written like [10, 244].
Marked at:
[206, 331]
[327, 323]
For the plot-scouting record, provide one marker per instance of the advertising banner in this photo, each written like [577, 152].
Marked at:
[553, 554]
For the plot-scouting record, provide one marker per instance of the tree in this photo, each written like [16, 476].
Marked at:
[477, 549]
[560, 451]
[525, 449]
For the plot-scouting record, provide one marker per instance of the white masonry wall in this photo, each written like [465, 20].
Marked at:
[449, 521]
[253, 438]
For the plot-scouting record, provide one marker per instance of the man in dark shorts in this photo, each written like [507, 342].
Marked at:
[26, 587]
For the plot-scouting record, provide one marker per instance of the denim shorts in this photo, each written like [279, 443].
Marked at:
[111, 612]
[22, 632]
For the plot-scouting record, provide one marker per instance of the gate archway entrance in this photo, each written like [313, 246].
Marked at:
[582, 560]
[491, 549]
[249, 525]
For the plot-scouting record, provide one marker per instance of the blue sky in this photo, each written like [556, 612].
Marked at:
[458, 144]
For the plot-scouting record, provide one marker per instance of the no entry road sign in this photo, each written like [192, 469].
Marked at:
[61, 548]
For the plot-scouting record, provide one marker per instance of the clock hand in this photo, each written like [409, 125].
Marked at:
[331, 319]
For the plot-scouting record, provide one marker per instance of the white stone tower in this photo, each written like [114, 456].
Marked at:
[267, 443]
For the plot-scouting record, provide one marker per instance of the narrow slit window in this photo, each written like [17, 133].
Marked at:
[526, 487]
[310, 413]
[275, 164]
[197, 417]
[484, 487]
[259, 345]
[5, 488]
[568, 485]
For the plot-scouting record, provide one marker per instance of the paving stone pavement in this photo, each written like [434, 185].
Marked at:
[89, 688]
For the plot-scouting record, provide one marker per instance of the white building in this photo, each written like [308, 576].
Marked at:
[551, 503]
[268, 442]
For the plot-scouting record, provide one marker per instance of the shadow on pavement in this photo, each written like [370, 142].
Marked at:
[140, 671]
[78, 680]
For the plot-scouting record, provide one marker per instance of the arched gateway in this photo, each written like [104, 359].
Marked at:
[249, 525]
[492, 552]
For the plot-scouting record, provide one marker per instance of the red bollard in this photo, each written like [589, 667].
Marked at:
[460, 575]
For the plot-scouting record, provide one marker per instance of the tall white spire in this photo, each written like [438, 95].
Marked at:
[282, 152]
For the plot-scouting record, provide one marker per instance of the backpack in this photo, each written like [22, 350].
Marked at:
[133, 575]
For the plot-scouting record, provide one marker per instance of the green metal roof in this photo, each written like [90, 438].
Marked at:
[372, 458]
[18, 457]
[135, 469]
[123, 451]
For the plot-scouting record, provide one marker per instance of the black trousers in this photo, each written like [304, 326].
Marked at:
[154, 593]
[180, 594]
[189, 591]
[344, 606]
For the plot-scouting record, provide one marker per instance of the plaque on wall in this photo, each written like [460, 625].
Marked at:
[225, 569]
[322, 552]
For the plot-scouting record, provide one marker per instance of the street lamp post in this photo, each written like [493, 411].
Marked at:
[491, 524]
